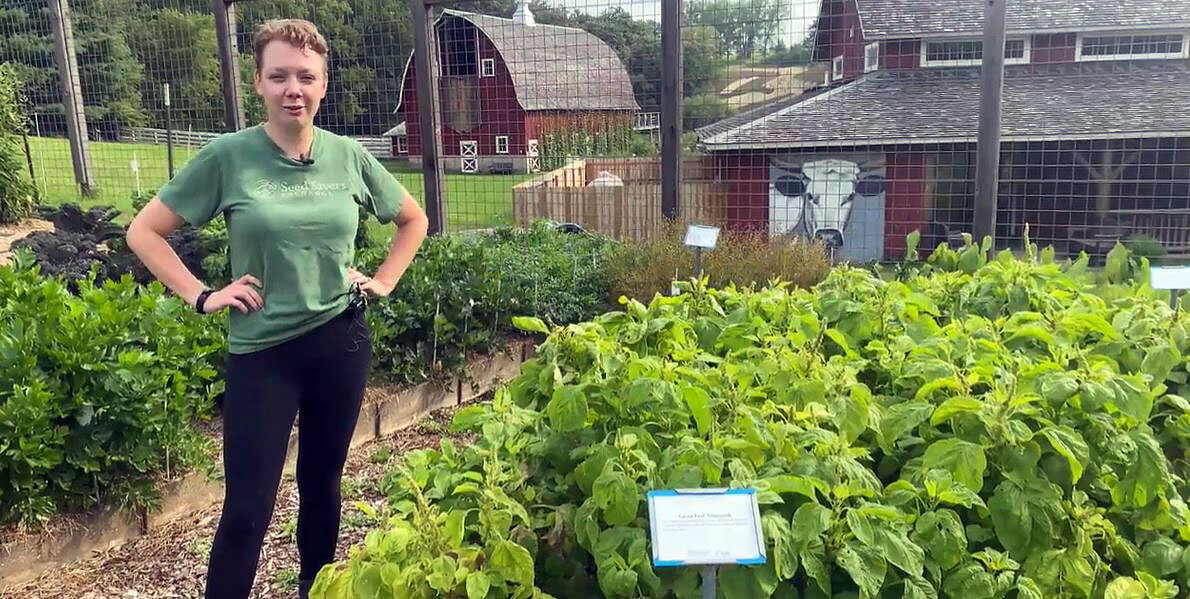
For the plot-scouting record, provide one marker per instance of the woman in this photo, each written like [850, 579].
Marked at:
[298, 341]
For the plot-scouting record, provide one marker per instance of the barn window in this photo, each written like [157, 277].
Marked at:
[402, 146]
[837, 68]
[488, 67]
[871, 57]
[501, 144]
[949, 53]
[1112, 47]
[458, 47]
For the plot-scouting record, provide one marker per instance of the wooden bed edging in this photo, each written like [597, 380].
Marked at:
[386, 410]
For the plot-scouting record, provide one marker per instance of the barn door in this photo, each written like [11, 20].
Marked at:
[534, 159]
[469, 153]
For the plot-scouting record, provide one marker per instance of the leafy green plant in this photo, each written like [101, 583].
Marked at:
[989, 428]
[460, 293]
[17, 193]
[100, 391]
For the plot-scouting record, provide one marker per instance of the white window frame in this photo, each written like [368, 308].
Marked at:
[925, 52]
[874, 56]
[499, 139]
[402, 145]
[837, 68]
[484, 65]
[1078, 46]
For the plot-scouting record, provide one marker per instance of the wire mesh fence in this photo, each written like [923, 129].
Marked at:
[856, 122]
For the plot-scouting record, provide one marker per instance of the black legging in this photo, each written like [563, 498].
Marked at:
[321, 377]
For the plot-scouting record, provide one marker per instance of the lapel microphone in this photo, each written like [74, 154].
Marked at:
[306, 160]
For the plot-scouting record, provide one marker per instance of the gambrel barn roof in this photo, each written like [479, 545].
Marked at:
[553, 67]
[884, 19]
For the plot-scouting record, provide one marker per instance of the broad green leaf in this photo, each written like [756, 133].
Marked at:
[1059, 387]
[900, 419]
[567, 409]
[1070, 445]
[785, 483]
[1025, 517]
[851, 412]
[746, 582]
[776, 528]
[1146, 475]
[941, 534]
[919, 588]
[949, 383]
[1162, 557]
[969, 581]
[953, 407]
[618, 497]
[866, 567]
[455, 523]
[699, 402]
[809, 521]
[964, 460]
[478, 585]
[512, 562]
[530, 324]
[1125, 587]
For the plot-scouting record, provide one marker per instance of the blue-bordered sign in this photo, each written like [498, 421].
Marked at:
[705, 526]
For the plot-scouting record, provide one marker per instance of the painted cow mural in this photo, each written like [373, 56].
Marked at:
[838, 199]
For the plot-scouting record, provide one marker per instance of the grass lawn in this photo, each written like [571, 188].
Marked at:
[472, 201]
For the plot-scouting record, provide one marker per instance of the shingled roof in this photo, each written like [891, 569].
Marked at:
[909, 18]
[1082, 101]
[553, 67]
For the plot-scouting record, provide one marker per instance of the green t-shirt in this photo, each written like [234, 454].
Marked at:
[289, 224]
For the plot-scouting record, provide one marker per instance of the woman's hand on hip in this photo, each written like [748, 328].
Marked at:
[373, 287]
[240, 294]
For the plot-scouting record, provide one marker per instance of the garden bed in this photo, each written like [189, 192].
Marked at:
[387, 409]
[171, 561]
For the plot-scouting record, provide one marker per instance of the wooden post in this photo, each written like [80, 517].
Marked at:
[72, 95]
[428, 111]
[229, 64]
[988, 147]
[671, 106]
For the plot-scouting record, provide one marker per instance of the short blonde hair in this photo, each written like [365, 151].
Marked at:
[299, 33]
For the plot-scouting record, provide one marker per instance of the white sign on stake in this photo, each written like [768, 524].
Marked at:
[705, 527]
[1174, 279]
[1169, 277]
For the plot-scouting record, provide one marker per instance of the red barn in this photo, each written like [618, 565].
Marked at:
[1095, 129]
[506, 84]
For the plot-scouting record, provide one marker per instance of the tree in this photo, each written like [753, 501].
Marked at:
[178, 47]
[744, 26]
[110, 74]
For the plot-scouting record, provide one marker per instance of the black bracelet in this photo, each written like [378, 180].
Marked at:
[202, 299]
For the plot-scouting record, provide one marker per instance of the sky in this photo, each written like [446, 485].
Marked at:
[795, 23]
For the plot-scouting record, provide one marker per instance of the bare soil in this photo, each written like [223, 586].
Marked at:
[12, 233]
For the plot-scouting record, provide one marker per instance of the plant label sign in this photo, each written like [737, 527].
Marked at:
[1170, 278]
[705, 527]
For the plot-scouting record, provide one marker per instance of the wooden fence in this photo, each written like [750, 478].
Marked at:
[377, 146]
[628, 211]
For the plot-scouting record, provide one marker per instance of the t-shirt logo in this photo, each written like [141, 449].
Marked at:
[273, 188]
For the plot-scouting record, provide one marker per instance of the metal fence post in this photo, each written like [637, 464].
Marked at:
[229, 64]
[988, 148]
[72, 95]
[429, 120]
[671, 107]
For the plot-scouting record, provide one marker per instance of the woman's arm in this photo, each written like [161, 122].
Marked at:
[146, 238]
[412, 225]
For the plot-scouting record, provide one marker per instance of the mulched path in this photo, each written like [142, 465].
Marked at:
[171, 562]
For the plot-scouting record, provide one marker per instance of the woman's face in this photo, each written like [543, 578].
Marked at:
[291, 82]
